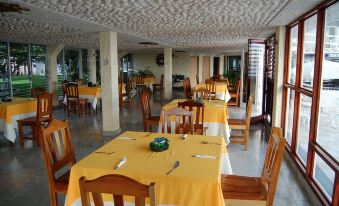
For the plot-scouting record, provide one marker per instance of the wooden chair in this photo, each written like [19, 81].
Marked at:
[147, 117]
[37, 91]
[120, 85]
[242, 124]
[74, 102]
[187, 88]
[183, 125]
[140, 83]
[210, 85]
[159, 87]
[80, 81]
[202, 93]
[199, 109]
[117, 185]
[235, 95]
[44, 113]
[58, 155]
[240, 190]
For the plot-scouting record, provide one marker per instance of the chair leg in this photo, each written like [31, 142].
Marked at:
[21, 133]
[68, 107]
[54, 198]
[36, 136]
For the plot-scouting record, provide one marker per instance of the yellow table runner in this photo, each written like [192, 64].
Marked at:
[16, 107]
[219, 87]
[215, 110]
[91, 91]
[195, 182]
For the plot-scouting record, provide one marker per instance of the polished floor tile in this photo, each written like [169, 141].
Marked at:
[23, 179]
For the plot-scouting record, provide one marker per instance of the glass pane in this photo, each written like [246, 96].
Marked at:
[304, 126]
[255, 74]
[4, 77]
[289, 115]
[310, 37]
[328, 122]
[324, 175]
[38, 58]
[21, 71]
[293, 54]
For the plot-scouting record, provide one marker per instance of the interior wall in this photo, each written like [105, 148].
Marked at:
[206, 70]
[193, 70]
[147, 60]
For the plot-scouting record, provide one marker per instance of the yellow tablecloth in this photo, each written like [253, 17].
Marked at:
[216, 115]
[189, 184]
[10, 112]
[221, 90]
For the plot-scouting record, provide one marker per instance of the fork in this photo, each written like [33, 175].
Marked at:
[176, 164]
[205, 142]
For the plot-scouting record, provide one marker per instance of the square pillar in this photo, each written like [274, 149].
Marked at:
[81, 76]
[201, 68]
[109, 83]
[92, 66]
[168, 72]
[211, 65]
[52, 52]
[279, 76]
[221, 65]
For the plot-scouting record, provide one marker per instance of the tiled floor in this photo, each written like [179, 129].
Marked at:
[23, 178]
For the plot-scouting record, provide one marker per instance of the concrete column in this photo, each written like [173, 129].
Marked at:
[211, 65]
[221, 64]
[52, 52]
[279, 76]
[81, 76]
[109, 83]
[201, 68]
[92, 66]
[168, 72]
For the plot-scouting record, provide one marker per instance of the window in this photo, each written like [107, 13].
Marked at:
[328, 122]
[311, 92]
[293, 54]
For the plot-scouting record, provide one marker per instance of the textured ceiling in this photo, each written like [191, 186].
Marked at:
[195, 25]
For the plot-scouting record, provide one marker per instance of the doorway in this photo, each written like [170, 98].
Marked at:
[216, 64]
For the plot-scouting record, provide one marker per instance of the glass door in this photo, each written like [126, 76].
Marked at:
[5, 89]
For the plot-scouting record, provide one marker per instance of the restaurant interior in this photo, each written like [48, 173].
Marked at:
[163, 102]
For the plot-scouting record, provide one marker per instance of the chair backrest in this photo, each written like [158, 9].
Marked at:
[57, 148]
[44, 107]
[187, 88]
[72, 90]
[120, 85]
[199, 109]
[37, 91]
[145, 106]
[131, 84]
[139, 80]
[80, 81]
[202, 93]
[117, 185]
[274, 155]
[238, 87]
[183, 125]
[210, 85]
[64, 87]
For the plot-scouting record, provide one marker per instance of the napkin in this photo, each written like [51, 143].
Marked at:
[126, 138]
[122, 161]
[205, 156]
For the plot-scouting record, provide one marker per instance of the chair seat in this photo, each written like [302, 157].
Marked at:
[61, 183]
[236, 122]
[244, 188]
[27, 121]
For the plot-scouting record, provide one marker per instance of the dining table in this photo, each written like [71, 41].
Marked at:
[196, 181]
[92, 94]
[10, 112]
[215, 117]
[221, 90]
